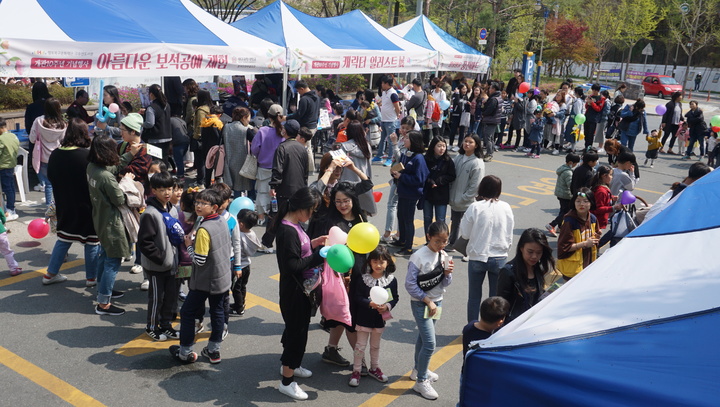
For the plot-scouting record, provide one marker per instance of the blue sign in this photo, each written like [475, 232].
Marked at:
[528, 67]
[483, 33]
[75, 82]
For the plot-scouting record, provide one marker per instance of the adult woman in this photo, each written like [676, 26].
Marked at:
[620, 91]
[470, 169]
[328, 180]
[436, 194]
[517, 122]
[555, 115]
[296, 254]
[191, 90]
[488, 226]
[460, 105]
[235, 135]
[633, 117]
[36, 109]
[111, 127]
[671, 121]
[476, 99]
[204, 103]
[47, 131]
[106, 196]
[521, 281]
[263, 146]
[577, 107]
[358, 150]
[698, 127]
[438, 93]
[67, 173]
[613, 148]
[156, 127]
[410, 182]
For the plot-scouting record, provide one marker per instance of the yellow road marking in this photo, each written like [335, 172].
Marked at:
[275, 277]
[647, 190]
[34, 273]
[524, 200]
[403, 384]
[143, 344]
[381, 186]
[252, 299]
[42, 378]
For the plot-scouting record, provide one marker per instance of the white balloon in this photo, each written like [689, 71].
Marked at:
[378, 295]
[336, 236]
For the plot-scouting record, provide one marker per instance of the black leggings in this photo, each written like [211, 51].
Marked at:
[670, 131]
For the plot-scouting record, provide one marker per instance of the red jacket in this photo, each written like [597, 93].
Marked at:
[603, 205]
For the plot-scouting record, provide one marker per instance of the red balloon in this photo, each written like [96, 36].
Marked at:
[716, 129]
[377, 195]
[38, 228]
[524, 87]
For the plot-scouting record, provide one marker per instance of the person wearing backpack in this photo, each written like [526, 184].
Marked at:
[415, 107]
[159, 235]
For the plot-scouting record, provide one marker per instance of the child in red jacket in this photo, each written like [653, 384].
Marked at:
[603, 198]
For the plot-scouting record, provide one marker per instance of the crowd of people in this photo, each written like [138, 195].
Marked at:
[148, 206]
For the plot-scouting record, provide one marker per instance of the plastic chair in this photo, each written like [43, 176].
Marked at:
[21, 174]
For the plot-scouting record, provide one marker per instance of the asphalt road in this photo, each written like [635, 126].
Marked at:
[55, 351]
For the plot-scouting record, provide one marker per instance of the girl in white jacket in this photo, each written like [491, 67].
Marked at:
[47, 132]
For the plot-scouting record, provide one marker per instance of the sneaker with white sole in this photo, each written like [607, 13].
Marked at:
[189, 358]
[300, 372]
[551, 230]
[11, 215]
[156, 335]
[354, 379]
[556, 152]
[293, 390]
[117, 294]
[90, 282]
[225, 332]
[332, 355]
[426, 390]
[136, 269]
[171, 333]
[57, 278]
[199, 326]
[213, 356]
[111, 310]
[145, 285]
[432, 376]
[378, 375]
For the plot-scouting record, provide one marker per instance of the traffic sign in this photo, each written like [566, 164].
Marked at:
[76, 82]
[647, 50]
[483, 33]
[684, 8]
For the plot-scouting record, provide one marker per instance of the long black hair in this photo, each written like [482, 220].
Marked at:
[158, 94]
[478, 145]
[430, 153]
[348, 190]
[204, 98]
[356, 131]
[546, 263]
[40, 91]
[303, 198]
[416, 142]
[113, 91]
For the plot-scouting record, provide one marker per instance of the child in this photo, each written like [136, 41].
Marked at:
[210, 252]
[654, 145]
[9, 146]
[562, 190]
[158, 237]
[582, 175]
[579, 236]
[429, 273]
[5, 246]
[536, 133]
[187, 217]
[247, 219]
[210, 130]
[368, 316]
[624, 175]
[603, 198]
[493, 311]
[712, 147]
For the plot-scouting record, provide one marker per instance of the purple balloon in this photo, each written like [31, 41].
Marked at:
[627, 197]
[536, 91]
[660, 109]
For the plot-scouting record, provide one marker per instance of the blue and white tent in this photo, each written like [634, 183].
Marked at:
[454, 54]
[99, 38]
[351, 43]
[638, 327]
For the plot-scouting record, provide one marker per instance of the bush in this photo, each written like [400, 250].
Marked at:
[348, 83]
[18, 96]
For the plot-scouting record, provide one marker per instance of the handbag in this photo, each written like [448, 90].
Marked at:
[250, 167]
[336, 302]
[465, 119]
[428, 281]
[461, 245]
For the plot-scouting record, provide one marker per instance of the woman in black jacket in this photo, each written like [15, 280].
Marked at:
[522, 280]
[436, 193]
[671, 121]
[460, 105]
[698, 127]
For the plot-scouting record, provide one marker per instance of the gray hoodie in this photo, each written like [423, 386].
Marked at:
[469, 171]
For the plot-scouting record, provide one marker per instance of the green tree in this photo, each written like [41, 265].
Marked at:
[639, 19]
[226, 10]
[603, 22]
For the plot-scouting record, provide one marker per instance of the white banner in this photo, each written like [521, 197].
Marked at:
[464, 63]
[360, 61]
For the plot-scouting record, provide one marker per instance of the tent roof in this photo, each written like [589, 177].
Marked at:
[455, 54]
[38, 31]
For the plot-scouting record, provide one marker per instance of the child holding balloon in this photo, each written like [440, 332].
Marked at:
[373, 294]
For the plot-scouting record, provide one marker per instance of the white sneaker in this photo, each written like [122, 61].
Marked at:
[136, 269]
[388, 239]
[601, 151]
[225, 332]
[465, 259]
[556, 152]
[426, 390]
[300, 372]
[39, 188]
[57, 278]
[199, 327]
[145, 285]
[294, 391]
[11, 215]
[432, 376]
[90, 283]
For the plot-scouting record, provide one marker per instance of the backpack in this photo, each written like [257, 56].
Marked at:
[432, 110]
[175, 232]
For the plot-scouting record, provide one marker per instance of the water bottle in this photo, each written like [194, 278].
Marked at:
[274, 205]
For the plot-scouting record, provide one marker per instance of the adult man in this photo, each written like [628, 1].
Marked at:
[390, 114]
[594, 106]
[514, 82]
[307, 114]
[76, 109]
[698, 79]
[491, 117]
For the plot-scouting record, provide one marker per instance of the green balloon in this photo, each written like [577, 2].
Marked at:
[715, 121]
[579, 118]
[340, 258]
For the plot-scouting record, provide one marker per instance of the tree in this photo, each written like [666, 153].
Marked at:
[695, 28]
[226, 10]
[639, 19]
[568, 43]
[602, 34]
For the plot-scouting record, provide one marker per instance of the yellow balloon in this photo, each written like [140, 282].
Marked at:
[363, 238]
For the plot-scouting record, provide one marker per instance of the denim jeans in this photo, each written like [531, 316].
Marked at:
[58, 257]
[440, 212]
[694, 137]
[425, 343]
[406, 217]
[42, 176]
[627, 140]
[474, 127]
[384, 147]
[106, 272]
[7, 180]
[476, 277]
[193, 306]
[391, 208]
[179, 151]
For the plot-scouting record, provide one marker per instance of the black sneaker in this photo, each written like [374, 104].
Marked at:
[112, 310]
[213, 356]
[397, 243]
[117, 294]
[175, 352]
[156, 335]
[404, 252]
[171, 333]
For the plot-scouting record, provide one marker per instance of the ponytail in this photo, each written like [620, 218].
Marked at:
[304, 198]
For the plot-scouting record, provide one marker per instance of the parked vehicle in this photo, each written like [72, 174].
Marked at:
[661, 85]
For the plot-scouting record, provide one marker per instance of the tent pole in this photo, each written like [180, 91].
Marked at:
[286, 75]
[371, 81]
